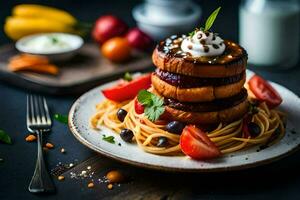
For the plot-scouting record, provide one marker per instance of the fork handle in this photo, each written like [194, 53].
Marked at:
[41, 181]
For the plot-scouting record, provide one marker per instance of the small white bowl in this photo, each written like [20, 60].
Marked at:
[32, 44]
[164, 21]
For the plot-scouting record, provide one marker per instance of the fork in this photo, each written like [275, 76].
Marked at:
[39, 122]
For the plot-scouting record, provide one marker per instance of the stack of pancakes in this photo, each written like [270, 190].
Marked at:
[204, 90]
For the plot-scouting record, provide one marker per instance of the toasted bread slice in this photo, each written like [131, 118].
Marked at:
[232, 64]
[201, 94]
[208, 118]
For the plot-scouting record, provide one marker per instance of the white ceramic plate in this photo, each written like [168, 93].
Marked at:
[84, 107]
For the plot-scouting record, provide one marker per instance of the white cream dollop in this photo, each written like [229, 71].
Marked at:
[203, 44]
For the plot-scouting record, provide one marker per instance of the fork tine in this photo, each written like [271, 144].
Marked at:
[31, 105]
[48, 118]
[28, 112]
[42, 110]
[37, 110]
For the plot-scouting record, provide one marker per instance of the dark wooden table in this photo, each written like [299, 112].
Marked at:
[279, 180]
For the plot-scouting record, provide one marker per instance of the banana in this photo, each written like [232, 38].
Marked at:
[39, 11]
[16, 27]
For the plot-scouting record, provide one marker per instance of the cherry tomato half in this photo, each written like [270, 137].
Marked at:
[127, 90]
[138, 107]
[196, 144]
[264, 91]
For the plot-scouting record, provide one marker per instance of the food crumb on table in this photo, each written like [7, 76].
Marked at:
[62, 150]
[30, 138]
[61, 178]
[90, 185]
[49, 145]
[110, 186]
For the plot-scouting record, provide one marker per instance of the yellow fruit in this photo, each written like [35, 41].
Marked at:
[17, 27]
[39, 11]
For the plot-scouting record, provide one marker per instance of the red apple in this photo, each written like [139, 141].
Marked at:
[108, 26]
[138, 39]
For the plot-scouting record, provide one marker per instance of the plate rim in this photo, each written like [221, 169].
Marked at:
[89, 145]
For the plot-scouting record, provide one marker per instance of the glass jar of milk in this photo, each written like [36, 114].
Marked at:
[269, 31]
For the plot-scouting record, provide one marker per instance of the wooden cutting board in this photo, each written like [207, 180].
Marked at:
[84, 71]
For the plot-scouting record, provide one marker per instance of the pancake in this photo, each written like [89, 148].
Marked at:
[198, 94]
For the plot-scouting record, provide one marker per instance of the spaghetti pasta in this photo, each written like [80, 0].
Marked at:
[227, 137]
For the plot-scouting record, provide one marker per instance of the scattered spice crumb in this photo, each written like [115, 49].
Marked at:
[90, 185]
[119, 144]
[62, 150]
[30, 138]
[49, 145]
[61, 178]
[110, 186]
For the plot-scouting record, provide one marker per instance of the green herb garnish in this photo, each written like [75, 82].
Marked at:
[210, 20]
[4, 137]
[61, 118]
[110, 139]
[153, 104]
[127, 77]
[53, 39]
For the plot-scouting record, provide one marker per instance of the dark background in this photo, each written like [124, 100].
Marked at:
[280, 180]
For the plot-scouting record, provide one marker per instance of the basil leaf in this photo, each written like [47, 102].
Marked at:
[110, 139]
[210, 20]
[145, 98]
[4, 137]
[61, 118]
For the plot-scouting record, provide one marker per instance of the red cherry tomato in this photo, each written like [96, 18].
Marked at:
[196, 144]
[264, 91]
[127, 90]
[138, 107]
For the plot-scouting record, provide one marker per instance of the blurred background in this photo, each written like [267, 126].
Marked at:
[89, 11]
[267, 29]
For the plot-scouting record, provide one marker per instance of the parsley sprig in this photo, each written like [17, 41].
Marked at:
[110, 139]
[153, 104]
[209, 22]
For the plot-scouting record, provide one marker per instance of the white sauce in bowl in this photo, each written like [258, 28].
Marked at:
[49, 43]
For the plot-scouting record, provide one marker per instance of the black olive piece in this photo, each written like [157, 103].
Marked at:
[126, 135]
[175, 127]
[254, 129]
[162, 142]
[121, 114]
